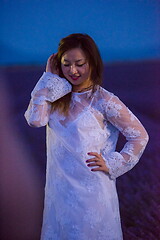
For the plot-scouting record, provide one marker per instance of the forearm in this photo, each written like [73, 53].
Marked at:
[37, 115]
[136, 139]
[48, 89]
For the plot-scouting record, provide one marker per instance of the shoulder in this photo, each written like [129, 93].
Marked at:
[104, 95]
[108, 100]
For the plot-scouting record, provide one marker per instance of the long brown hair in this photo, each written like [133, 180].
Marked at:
[88, 46]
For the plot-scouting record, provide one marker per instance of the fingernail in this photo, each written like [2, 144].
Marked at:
[88, 152]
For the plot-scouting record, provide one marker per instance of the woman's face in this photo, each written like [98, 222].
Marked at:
[75, 68]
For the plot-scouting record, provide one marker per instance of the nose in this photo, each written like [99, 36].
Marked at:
[73, 69]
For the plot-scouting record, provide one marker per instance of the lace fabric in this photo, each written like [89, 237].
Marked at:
[80, 204]
[48, 89]
[51, 86]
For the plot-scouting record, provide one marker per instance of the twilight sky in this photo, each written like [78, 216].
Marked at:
[124, 30]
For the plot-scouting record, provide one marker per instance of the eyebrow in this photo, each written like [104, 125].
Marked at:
[65, 60]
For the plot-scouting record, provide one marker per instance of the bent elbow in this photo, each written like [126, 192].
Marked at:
[35, 124]
[33, 121]
[146, 137]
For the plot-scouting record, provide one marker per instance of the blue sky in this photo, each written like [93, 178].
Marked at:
[124, 30]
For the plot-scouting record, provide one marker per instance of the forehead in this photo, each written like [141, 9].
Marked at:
[74, 54]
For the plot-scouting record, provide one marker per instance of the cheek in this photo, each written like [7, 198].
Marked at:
[83, 70]
[86, 68]
[63, 70]
[86, 71]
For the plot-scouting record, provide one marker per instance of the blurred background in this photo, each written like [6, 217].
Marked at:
[127, 33]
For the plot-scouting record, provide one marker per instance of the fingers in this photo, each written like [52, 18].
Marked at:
[97, 158]
[50, 57]
[94, 154]
[92, 159]
[50, 64]
[53, 55]
[98, 161]
[97, 169]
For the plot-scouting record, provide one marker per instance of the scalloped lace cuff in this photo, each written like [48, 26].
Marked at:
[115, 164]
[55, 87]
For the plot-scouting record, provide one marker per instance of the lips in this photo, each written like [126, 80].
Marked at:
[74, 77]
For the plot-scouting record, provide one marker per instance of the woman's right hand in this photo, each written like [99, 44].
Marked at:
[49, 66]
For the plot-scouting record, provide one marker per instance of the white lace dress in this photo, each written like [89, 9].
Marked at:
[81, 204]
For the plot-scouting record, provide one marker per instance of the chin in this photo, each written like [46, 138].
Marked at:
[76, 84]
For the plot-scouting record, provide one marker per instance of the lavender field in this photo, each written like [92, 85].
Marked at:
[23, 156]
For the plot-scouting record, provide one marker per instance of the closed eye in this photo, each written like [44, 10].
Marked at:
[80, 65]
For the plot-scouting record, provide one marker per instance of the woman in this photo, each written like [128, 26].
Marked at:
[83, 122]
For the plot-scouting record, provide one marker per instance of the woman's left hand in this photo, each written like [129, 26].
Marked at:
[98, 161]
[50, 66]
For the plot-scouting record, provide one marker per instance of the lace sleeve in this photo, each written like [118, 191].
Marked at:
[136, 136]
[48, 89]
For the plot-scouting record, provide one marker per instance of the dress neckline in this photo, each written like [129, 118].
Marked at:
[80, 93]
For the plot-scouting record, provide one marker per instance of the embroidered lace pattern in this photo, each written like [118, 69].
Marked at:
[81, 204]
